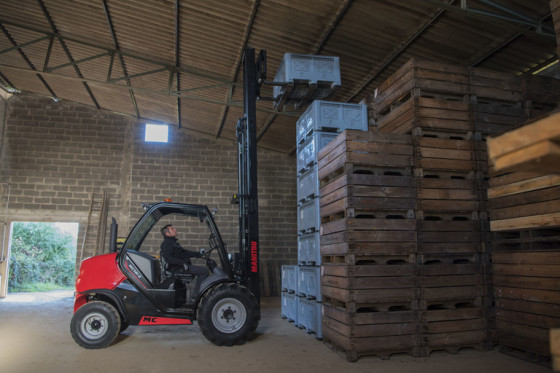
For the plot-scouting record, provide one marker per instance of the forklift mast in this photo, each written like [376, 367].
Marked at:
[253, 74]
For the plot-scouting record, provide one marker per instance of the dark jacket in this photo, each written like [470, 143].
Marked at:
[174, 254]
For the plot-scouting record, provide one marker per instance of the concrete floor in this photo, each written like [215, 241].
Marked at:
[35, 337]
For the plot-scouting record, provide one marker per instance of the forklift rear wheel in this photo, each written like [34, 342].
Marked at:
[95, 325]
[228, 314]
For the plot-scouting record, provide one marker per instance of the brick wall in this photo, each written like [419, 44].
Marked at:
[59, 158]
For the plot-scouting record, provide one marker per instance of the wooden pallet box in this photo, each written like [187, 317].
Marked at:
[459, 231]
[422, 78]
[527, 299]
[445, 154]
[491, 86]
[454, 324]
[382, 346]
[540, 89]
[370, 283]
[368, 236]
[370, 265]
[491, 119]
[429, 114]
[345, 249]
[399, 322]
[357, 152]
[535, 208]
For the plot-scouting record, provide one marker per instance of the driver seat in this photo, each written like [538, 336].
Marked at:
[171, 273]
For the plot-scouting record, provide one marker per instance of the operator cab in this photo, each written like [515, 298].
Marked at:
[139, 258]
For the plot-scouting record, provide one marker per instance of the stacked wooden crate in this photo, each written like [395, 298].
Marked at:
[368, 245]
[432, 102]
[446, 113]
[525, 219]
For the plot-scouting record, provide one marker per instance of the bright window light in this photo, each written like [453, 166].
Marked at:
[156, 132]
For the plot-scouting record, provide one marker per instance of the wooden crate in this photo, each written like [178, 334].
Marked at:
[527, 299]
[373, 266]
[460, 231]
[362, 248]
[367, 312]
[489, 86]
[429, 114]
[369, 283]
[492, 119]
[350, 329]
[540, 89]
[368, 236]
[427, 78]
[358, 152]
[526, 239]
[444, 154]
[537, 194]
[372, 206]
[382, 346]
[453, 324]
[449, 236]
[370, 295]
[534, 208]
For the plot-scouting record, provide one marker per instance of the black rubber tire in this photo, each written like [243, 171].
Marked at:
[95, 325]
[228, 314]
[124, 326]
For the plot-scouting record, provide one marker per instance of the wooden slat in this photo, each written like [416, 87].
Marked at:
[526, 222]
[524, 186]
[535, 144]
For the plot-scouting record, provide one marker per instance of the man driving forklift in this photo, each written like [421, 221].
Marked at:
[179, 258]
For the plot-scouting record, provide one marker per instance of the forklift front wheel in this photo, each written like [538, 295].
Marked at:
[228, 314]
[95, 325]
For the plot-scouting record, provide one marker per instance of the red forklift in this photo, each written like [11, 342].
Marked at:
[127, 286]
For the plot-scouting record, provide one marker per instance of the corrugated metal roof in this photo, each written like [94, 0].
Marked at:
[130, 56]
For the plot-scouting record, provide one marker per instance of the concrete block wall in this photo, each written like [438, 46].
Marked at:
[55, 156]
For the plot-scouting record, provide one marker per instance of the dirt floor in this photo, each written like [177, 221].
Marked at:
[35, 337]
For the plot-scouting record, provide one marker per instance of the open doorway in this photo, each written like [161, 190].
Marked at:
[42, 256]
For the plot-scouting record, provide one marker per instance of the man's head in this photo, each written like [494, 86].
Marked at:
[169, 231]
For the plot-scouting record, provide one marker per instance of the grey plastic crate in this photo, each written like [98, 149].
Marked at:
[309, 283]
[307, 151]
[333, 116]
[309, 249]
[290, 307]
[310, 317]
[308, 184]
[310, 69]
[289, 278]
[309, 219]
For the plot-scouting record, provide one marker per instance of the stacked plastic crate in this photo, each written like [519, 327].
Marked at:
[300, 79]
[319, 125]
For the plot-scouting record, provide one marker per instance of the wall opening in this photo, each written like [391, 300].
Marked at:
[42, 256]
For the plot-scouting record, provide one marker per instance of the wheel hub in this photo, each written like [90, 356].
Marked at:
[229, 315]
[94, 326]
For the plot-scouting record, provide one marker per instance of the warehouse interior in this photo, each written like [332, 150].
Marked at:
[466, 255]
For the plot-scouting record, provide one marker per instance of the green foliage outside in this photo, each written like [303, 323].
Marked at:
[42, 258]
